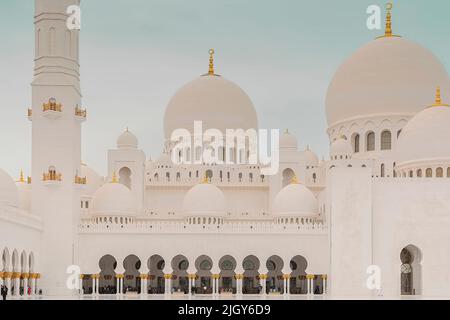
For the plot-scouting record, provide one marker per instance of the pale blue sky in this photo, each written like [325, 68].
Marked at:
[135, 54]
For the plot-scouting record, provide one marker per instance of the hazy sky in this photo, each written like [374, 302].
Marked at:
[135, 54]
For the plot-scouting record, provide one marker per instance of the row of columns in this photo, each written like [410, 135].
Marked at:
[215, 283]
[12, 279]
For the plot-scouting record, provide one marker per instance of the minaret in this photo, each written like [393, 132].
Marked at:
[56, 117]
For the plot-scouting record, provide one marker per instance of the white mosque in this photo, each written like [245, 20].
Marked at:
[157, 229]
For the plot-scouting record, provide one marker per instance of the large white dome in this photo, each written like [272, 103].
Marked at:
[113, 199]
[217, 102]
[425, 140]
[388, 76]
[8, 190]
[295, 200]
[204, 200]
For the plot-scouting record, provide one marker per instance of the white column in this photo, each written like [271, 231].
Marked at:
[308, 285]
[117, 285]
[262, 279]
[190, 284]
[93, 284]
[37, 284]
[8, 285]
[33, 285]
[17, 287]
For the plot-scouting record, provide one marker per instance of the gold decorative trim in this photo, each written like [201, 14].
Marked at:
[120, 276]
[324, 277]
[263, 276]
[168, 276]
[52, 106]
[144, 276]
[25, 275]
[310, 276]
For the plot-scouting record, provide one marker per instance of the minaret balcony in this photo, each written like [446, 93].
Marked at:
[52, 109]
[80, 182]
[80, 114]
[30, 114]
[52, 178]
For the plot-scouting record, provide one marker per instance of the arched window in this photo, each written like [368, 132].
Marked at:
[429, 173]
[419, 173]
[370, 141]
[448, 172]
[439, 173]
[411, 173]
[382, 170]
[125, 177]
[386, 140]
[288, 175]
[356, 139]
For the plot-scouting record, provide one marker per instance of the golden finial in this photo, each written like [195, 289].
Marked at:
[388, 28]
[114, 178]
[211, 62]
[286, 131]
[438, 100]
[388, 31]
[294, 180]
[21, 179]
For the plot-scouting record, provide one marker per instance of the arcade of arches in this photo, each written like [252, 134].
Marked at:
[202, 276]
[18, 274]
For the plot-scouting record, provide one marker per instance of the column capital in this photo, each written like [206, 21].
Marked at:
[16, 275]
[263, 276]
[144, 276]
[34, 276]
[215, 276]
[286, 276]
[324, 277]
[95, 276]
[120, 276]
[239, 276]
[25, 275]
[168, 276]
[310, 276]
[192, 276]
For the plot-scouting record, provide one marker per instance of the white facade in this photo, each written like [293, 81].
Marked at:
[382, 198]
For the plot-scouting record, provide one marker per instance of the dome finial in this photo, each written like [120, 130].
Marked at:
[438, 99]
[114, 178]
[388, 30]
[211, 62]
[286, 131]
[294, 180]
[21, 179]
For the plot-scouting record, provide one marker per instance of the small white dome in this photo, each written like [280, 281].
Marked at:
[113, 199]
[24, 192]
[311, 159]
[425, 138]
[93, 180]
[340, 147]
[9, 194]
[288, 141]
[295, 200]
[127, 140]
[217, 102]
[204, 200]
[387, 76]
